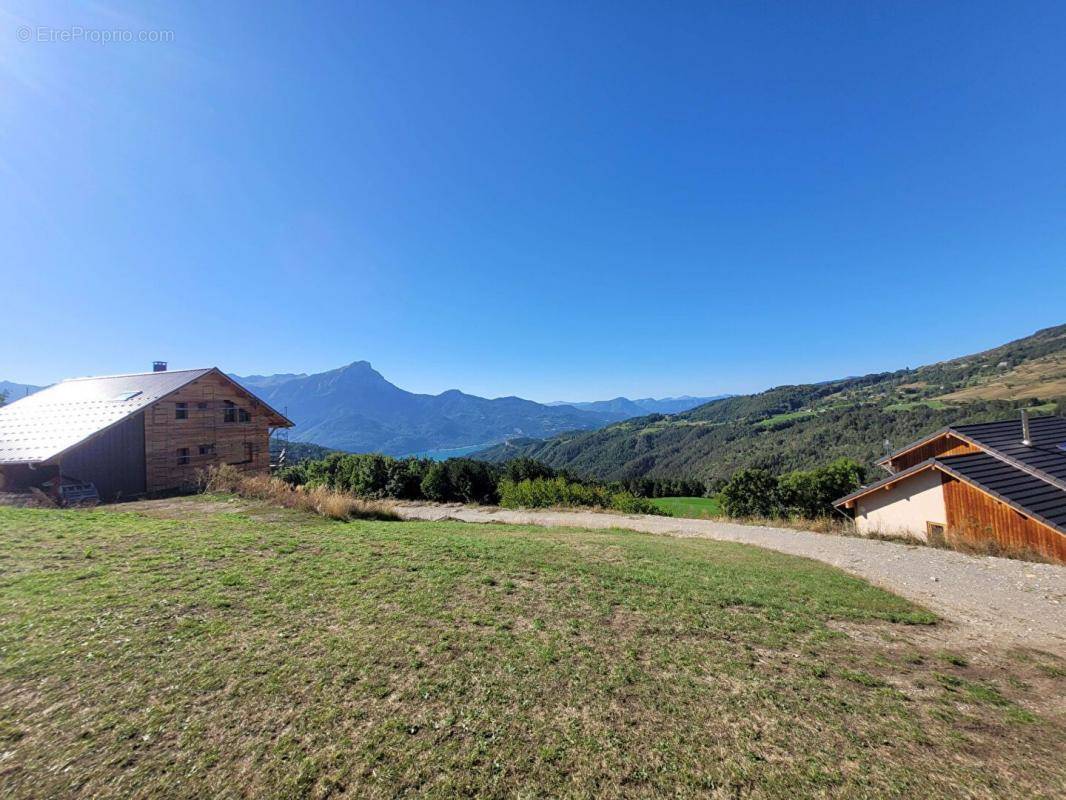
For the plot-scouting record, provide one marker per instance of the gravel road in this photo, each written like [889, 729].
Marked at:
[989, 600]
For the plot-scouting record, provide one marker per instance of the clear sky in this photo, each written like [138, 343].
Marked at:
[555, 200]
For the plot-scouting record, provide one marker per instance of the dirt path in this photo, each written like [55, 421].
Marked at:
[989, 600]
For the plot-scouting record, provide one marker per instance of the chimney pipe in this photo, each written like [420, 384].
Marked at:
[159, 366]
[1026, 439]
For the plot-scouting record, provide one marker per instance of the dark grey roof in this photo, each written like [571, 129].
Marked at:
[1004, 439]
[1021, 489]
[49, 422]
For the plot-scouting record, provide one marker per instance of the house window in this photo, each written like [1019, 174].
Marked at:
[181, 411]
[202, 406]
[183, 456]
[235, 414]
[207, 449]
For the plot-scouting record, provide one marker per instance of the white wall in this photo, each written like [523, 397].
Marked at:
[904, 507]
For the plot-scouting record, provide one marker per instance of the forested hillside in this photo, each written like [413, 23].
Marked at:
[800, 427]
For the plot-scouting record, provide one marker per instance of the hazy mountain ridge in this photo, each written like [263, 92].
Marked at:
[268, 381]
[626, 408]
[14, 391]
[355, 408]
[802, 426]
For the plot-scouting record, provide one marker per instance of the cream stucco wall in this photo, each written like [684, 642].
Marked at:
[903, 508]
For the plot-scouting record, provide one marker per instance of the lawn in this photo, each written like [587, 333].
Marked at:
[214, 648]
[690, 507]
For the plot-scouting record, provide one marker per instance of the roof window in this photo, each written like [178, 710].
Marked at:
[122, 398]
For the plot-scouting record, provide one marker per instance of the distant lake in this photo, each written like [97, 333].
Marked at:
[451, 452]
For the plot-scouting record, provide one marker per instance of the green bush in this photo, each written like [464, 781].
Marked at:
[628, 503]
[801, 493]
[751, 493]
[554, 492]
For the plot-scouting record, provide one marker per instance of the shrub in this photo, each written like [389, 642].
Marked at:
[811, 494]
[628, 503]
[224, 478]
[803, 493]
[554, 492]
[471, 481]
[436, 485]
[751, 493]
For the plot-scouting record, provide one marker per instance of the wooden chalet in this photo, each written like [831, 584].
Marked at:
[132, 435]
[1001, 482]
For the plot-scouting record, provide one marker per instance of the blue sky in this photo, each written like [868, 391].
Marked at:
[554, 200]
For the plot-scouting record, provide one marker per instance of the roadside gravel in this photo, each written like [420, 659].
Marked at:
[987, 600]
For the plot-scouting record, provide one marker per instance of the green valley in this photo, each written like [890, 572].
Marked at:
[804, 426]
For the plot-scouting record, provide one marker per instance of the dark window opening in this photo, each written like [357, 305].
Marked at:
[183, 456]
[235, 414]
[934, 533]
[207, 449]
[181, 411]
[202, 406]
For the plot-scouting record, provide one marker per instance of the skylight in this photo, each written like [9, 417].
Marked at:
[122, 398]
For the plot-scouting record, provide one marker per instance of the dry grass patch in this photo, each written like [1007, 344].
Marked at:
[315, 499]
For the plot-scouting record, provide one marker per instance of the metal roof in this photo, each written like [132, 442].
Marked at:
[1004, 439]
[48, 423]
[45, 424]
[1024, 491]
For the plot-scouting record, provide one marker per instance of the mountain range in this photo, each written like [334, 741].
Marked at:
[355, 408]
[625, 408]
[13, 391]
[803, 426]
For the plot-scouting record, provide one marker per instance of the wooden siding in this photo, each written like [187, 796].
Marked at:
[246, 445]
[113, 461]
[979, 518]
[945, 445]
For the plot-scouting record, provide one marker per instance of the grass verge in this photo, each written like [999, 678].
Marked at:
[689, 507]
[237, 651]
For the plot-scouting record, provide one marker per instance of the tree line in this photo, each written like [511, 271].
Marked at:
[521, 482]
[527, 483]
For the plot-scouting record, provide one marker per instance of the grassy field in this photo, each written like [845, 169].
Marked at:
[690, 507]
[212, 648]
[910, 405]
